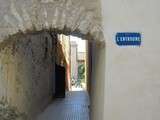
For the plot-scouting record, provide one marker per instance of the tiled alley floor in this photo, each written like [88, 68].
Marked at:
[73, 107]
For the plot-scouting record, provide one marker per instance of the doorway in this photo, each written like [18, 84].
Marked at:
[71, 80]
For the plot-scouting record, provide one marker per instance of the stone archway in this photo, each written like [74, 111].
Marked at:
[75, 15]
[22, 20]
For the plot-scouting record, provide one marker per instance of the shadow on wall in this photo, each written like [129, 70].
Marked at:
[97, 81]
[26, 72]
[25, 75]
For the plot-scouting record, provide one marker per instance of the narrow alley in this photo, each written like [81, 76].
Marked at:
[74, 107]
[47, 73]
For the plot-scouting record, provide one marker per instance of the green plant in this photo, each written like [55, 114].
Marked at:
[81, 71]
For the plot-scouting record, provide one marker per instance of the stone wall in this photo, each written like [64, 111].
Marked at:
[71, 16]
[76, 15]
[26, 72]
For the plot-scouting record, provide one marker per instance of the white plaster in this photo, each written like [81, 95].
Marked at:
[132, 82]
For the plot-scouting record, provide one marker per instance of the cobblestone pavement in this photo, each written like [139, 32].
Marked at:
[74, 107]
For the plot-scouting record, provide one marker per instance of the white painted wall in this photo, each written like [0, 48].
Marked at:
[74, 62]
[132, 85]
[97, 82]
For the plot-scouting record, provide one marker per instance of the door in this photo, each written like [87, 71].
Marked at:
[60, 81]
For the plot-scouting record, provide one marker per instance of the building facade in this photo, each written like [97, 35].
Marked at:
[74, 60]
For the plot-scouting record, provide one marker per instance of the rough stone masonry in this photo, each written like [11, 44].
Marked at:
[26, 82]
[81, 15]
[26, 57]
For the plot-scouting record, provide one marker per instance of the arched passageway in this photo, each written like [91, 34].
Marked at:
[27, 35]
[27, 62]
